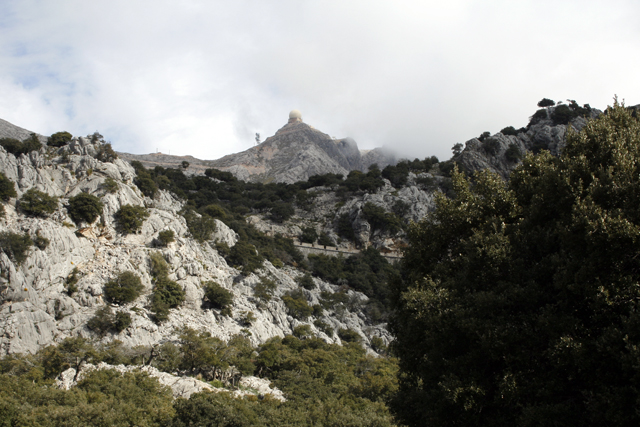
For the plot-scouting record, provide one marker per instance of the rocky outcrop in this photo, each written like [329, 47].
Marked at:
[182, 386]
[36, 310]
[296, 152]
[493, 152]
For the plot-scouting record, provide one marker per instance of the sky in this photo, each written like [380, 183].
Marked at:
[202, 78]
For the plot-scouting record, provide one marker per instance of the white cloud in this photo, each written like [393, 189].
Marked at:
[201, 77]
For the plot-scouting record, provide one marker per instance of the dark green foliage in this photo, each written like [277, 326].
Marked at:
[349, 335]
[491, 146]
[105, 153]
[509, 130]
[345, 228]
[367, 272]
[306, 281]
[84, 207]
[36, 203]
[400, 208]
[325, 240]
[484, 135]
[323, 326]
[110, 185]
[244, 255]
[538, 116]
[200, 226]
[15, 246]
[71, 282]
[377, 344]
[457, 149]
[281, 212]
[59, 139]
[165, 237]
[167, 294]
[309, 235]
[218, 296]
[381, 220]
[513, 153]
[122, 321]
[520, 301]
[264, 289]
[214, 211]
[16, 147]
[7, 188]
[184, 164]
[220, 175]
[103, 321]
[297, 305]
[147, 185]
[126, 287]
[546, 102]
[130, 218]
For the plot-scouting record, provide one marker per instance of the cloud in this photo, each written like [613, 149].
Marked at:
[202, 78]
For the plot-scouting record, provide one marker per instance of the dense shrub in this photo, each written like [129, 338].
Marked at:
[84, 207]
[509, 130]
[281, 212]
[7, 188]
[105, 153]
[110, 185]
[297, 305]
[538, 116]
[325, 240]
[36, 203]
[165, 237]
[220, 175]
[122, 321]
[217, 296]
[244, 255]
[349, 335]
[147, 185]
[15, 245]
[59, 139]
[16, 147]
[345, 228]
[200, 226]
[561, 115]
[306, 281]
[513, 153]
[546, 102]
[71, 282]
[126, 287]
[379, 219]
[309, 235]
[167, 294]
[102, 321]
[40, 242]
[264, 289]
[130, 218]
[491, 146]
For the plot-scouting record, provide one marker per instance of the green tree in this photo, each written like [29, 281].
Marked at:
[165, 237]
[59, 139]
[7, 188]
[218, 296]
[520, 303]
[546, 102]
[124, 288]
[15, 245]
[36, 203]
[130, 218]
[84, 207]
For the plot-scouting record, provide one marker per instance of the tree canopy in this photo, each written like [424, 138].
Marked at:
[520, 300]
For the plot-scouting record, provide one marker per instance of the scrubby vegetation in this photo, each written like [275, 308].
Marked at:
[130, 218]
[15, 245]
[84, 207]
[167, 294]
[37, 203]
[7, 188]
[219, 297]
[17, 147]
[125, 288]
[59, 139]
[165, 237]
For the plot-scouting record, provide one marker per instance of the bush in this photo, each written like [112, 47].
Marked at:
[15, 245]
[147, 186]
[546, 102]
[281, 212]
[309, 235]
[217, 296]
[297, 305]
[200, 226]
[16, 147]
[71, 282]
[165, 237]
[349, 335]
[105, 153]
[84, 207]
[122, 321]
[124, 288]
[264, 289]
[491, 146]
[247, 318]
[509, 130]
[7, 188]
[323, 326]
[325, 240]
[41, 242]
[130, 218]
[306, 281]
[344, 227]
[167, 294]
[538, 116]
[244, 255]
[513, 153]
[36, 203]
[220, 175]
[110, 184]
[102, 321]
[59, 139]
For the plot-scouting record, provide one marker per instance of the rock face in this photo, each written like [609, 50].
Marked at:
[296, 152]
[479, 155]
[36, 310]
[180, 386]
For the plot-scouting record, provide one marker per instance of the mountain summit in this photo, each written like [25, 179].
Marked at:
[298, 151]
